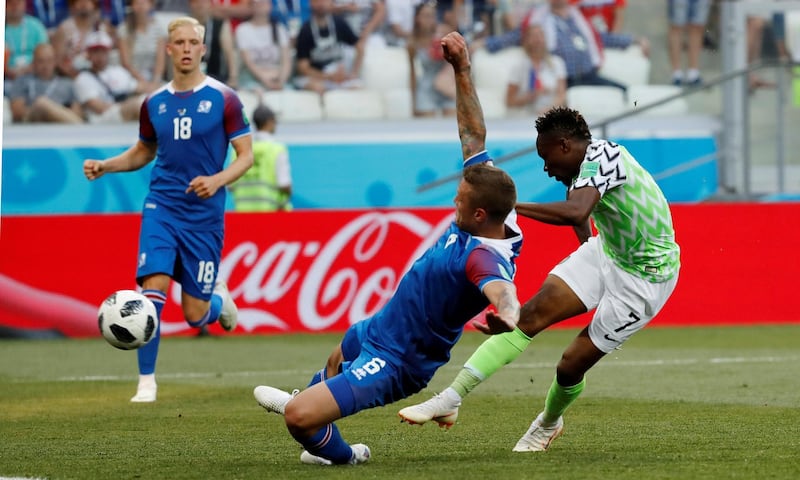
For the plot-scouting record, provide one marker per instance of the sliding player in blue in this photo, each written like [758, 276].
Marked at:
[395, 353]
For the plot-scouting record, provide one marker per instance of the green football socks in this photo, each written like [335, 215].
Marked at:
[559, 398]
[491, 355]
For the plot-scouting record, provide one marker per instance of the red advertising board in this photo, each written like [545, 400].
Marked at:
[322, 270]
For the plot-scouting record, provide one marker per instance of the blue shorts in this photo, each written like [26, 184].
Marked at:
[191, 258]
[688, 12]
[370, 378]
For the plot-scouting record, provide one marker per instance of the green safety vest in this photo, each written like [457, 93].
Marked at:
[256, 190]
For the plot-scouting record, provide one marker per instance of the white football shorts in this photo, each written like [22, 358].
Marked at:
[623, 303]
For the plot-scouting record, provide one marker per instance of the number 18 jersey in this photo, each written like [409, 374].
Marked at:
[193, 130]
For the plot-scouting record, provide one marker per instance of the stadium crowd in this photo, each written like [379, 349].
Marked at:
[94, 60]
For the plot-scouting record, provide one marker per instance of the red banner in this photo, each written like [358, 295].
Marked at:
[312, 271]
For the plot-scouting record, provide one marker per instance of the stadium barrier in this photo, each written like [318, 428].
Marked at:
[320, 271]
[384, 172]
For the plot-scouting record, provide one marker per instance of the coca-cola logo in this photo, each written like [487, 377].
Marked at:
[325, 279]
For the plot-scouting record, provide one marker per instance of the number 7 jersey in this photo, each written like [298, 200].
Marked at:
[193, 130]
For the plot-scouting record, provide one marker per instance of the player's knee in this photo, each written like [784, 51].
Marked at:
[298, 420]
[194, 312]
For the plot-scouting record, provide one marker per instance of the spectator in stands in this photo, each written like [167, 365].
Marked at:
[220, 61]
[292, 14]
[538, 81]
[570, 36]
[113, 11]
[267, 185]
[50, 12]
[172, 6]
[399, 21]
[512, 12]
[43, 95]
[69, 38]
[142, 43]
[432, 89]
[23, 34]
[775, 24]
[265, 50]
[108, 93]
[329, 54]
[604, 15]
[236, 11]
[687, 20]
[366, 19]
[471, 17]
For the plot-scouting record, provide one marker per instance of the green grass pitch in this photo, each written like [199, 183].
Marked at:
[689, 403]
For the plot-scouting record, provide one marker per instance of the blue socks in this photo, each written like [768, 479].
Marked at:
[320, 376]
[328, 443]
[211, 316]
[148, 353]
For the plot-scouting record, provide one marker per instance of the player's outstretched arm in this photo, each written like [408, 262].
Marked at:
[503, 296]
[134, 158]
[471, 127]
[574, 211]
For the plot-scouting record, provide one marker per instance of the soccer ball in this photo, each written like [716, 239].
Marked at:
[127, 319]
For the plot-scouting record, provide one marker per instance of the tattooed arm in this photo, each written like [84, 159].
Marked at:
[503, 296]
[471, 127]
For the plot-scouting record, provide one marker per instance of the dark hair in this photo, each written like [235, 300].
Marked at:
[262, 115]
[563, 121]
[493, 190]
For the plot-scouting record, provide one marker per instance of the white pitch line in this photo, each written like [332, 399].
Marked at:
[537, 365]
[671, 362]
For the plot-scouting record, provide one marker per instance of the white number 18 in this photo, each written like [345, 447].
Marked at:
[182, 128]
[205, 272]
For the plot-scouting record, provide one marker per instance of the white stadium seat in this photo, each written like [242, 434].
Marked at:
[642, 95]
[353, 105]
[596, 102]
[250, 100]
[493, 102]
[397, 103]
[628, 67]
[386, 69]
[7, 116]
[492, 70]
[793, 34]
[294, 105]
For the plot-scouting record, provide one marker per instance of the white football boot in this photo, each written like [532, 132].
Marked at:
[146, 390]
[361, 454]
[538, 437]
[229, 314]
[442, 409]
[273, 399]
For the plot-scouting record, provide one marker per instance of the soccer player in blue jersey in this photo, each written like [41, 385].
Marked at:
[394, 353]
[186, 127]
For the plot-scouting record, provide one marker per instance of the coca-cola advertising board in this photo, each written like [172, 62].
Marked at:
[322, 270]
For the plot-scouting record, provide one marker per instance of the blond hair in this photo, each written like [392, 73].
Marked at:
[187, 21]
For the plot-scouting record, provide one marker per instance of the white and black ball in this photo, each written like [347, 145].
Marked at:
[127, 319]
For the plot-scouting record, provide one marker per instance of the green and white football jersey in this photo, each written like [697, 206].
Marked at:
[632, 218]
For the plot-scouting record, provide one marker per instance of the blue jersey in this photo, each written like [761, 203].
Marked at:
[439, 294]
[193, 130]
